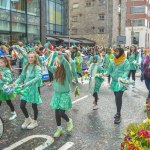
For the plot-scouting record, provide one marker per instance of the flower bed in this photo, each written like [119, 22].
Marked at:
[137, 137]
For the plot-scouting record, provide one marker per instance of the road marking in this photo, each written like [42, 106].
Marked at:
[49, 141]
[79, 99]
[66, 146]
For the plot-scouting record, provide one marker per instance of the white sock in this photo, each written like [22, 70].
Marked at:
[59, 127]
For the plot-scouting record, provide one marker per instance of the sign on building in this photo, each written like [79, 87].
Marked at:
[121, 39]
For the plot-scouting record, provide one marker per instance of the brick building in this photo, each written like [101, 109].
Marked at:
[98, 20]
[138, 23]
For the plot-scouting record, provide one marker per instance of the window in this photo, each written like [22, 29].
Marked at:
[5, 4]
[101, 16]
[138, 22]
[138, 9]
[33, 7]
[101, 30]
[88, 4]
[4, 25]
[18, 5]
[74, 18]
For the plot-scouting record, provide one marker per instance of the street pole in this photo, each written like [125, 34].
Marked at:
[107, 22]
[69, 20]
[132, 33]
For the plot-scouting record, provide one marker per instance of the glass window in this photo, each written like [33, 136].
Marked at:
[18, 27]
[33, 7]
[18, 5]
[18, 17]
[138, 22]
[101, 30]
[5, 4]
[88, 4]
[52, 12]
[101, 16]
[4, 14]
[34, 20]
[4, 25]
[58, 28]
[138, 9]
[58, 14]
[55, 16]
[4, 37]
[52, 27]
[33, 29]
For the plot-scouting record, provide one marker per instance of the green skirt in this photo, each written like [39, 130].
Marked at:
[116, 87]
[98, 83]
[61, 101]
[5, 97]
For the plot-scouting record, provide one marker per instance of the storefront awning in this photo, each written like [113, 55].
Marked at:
[52, 39]
[66, 40]
[84, 41]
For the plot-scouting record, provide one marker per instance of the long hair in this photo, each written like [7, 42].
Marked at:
[60, 74]
[135, 52]
[7, 62]
[36, 62]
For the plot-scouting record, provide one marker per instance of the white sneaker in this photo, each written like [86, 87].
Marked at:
[94, 103]
[13, 116]
[95, 107]
[32, 125]
[26, 123]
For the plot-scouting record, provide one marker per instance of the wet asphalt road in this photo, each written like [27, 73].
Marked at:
[93, 129]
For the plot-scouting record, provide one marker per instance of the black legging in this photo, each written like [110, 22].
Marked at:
[60, 114]
[109, 79]
[9, 103]
[25, 112]
[118, 98]
[133, 72]
[95, 95]
[50, 76]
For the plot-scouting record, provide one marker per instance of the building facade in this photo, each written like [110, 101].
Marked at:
[138, 23]
[30, 20]
[99, 20]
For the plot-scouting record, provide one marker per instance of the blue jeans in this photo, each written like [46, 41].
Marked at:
[147, 83]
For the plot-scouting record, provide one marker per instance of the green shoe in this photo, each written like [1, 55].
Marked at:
[69, 125]
[58, 133]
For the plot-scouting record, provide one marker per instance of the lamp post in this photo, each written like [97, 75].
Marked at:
[132, 33]
[69, 20]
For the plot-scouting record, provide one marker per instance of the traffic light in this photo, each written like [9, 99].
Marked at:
[135, 40]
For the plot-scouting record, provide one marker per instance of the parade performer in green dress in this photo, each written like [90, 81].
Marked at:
[30, 77]
[119, 68]
[133, 58]
[6, 78]
[61, 99]
[96, 79]
[78, 61]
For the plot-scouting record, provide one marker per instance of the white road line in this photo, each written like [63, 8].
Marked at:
[80, 99]
[49, 141]
[66, 146]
